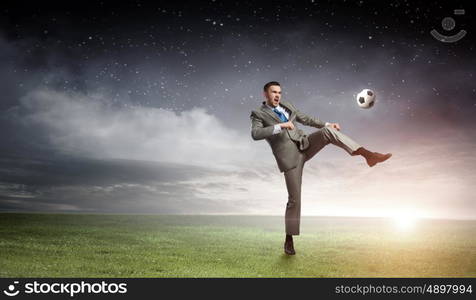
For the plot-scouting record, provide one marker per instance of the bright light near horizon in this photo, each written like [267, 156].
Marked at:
[405, 222]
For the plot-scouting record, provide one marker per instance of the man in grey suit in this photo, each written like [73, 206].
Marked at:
[275, 121]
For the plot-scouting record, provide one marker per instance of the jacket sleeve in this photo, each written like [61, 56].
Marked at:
[258, 131]
[307, 120]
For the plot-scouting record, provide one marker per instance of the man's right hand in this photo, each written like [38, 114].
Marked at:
[287, 124]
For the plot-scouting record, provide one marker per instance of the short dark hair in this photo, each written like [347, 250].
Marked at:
[266, 86]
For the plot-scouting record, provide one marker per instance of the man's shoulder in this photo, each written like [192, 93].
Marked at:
[257, 111]
[287, 104]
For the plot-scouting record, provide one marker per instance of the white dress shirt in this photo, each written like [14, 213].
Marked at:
[277, 127]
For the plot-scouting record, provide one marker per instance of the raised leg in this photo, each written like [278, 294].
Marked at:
[328, 135]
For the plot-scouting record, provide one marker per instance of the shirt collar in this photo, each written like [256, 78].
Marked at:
[271, 107]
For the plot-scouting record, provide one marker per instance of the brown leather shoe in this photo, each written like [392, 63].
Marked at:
[376, 157]
[372, 158]
[289, 248]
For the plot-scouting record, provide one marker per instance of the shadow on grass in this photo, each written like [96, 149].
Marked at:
[285, 259]
[284, 265]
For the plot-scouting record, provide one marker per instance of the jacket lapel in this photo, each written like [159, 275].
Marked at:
[269, 111]
[292, 112]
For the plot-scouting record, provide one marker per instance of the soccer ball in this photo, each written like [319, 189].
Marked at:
[366, 98]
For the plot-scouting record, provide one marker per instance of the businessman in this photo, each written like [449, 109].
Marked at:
[275, 121]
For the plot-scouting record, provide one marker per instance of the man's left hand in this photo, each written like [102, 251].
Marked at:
[334, 125]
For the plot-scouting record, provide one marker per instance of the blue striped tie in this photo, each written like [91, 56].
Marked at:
[280, 114]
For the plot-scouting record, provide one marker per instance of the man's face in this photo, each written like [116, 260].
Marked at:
[273, 95]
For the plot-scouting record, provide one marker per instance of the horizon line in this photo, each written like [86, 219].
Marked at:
[226, 214]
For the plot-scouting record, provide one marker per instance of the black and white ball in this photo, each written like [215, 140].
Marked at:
[366, 98]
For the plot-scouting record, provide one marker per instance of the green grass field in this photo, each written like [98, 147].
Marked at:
[79, 245]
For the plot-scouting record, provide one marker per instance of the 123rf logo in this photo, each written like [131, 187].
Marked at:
[70, 289]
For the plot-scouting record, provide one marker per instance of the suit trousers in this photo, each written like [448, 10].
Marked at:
[293, 177]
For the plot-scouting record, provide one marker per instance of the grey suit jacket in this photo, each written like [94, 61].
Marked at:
[287, 144]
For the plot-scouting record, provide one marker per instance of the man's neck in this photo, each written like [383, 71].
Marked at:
[271, 106]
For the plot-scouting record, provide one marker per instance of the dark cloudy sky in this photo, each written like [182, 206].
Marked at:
[144, 107]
